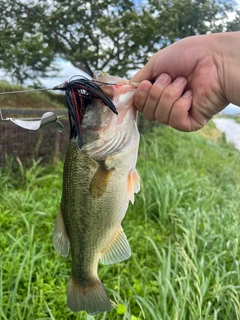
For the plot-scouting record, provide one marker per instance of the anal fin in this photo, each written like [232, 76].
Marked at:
[61, 241]
[118, 249]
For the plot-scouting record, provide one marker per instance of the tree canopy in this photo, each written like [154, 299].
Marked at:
[235, 24]
[113, 36]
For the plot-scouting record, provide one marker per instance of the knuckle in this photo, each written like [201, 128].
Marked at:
[153, 94]
[170, 94]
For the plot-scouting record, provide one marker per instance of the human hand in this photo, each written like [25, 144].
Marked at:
[188, 82]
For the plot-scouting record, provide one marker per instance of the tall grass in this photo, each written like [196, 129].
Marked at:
[183, 230]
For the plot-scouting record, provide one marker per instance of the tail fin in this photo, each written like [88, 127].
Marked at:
[92, 298]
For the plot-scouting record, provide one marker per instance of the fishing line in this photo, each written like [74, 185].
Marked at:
[23, 91]
[62, 86]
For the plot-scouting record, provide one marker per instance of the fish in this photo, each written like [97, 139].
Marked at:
[99, 181]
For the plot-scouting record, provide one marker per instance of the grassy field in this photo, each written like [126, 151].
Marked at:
[34, 100]
[183, 230]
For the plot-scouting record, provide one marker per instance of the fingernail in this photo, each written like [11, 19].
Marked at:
[163, 79]
[187, 94]
[178, 81]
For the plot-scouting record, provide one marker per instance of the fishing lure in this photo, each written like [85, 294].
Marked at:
[79, 94]
[36, 123]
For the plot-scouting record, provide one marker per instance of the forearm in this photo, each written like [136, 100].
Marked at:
[227, 48]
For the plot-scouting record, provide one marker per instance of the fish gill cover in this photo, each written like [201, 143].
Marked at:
[79, 94]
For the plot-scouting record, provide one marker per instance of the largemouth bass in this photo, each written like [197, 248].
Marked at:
[99, 180]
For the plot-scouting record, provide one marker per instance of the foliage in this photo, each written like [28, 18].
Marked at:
[235, 24]
[183, 230]
[113, 36]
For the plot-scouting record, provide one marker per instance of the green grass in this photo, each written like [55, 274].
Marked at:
[183, 230]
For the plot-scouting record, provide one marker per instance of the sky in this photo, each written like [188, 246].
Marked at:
[67, 70]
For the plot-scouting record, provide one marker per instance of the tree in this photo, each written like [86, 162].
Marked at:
[234, 25]
[113, 36]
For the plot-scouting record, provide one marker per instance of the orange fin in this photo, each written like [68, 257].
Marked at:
[133, 184]
[100, 180]
[92, 298]
[61, 242]
[118, 249]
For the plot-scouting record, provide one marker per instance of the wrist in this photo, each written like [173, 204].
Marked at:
[227, 53]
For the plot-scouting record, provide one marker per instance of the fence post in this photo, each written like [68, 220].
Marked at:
[56, 148]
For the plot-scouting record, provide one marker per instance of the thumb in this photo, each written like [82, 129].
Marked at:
[143, 74]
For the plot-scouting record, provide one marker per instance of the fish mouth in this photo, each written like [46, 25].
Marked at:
[79, 94]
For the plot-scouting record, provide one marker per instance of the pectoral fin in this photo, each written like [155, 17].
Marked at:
[100, 180]
[61, 242]
[133, 184]
[118, 249]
